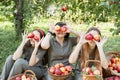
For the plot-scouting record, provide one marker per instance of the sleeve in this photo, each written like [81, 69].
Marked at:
[73, 40]
[41, 53]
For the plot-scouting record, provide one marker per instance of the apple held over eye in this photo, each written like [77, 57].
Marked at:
[36, 38]
[30, 35]
[97, 37]
[64, 29]
[89, 37]
[64, 8]
[57, 28]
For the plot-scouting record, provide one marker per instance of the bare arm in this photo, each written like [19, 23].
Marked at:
[34, 59]
[46, 41]
[17, 54]
[74, 55]
[103, 59]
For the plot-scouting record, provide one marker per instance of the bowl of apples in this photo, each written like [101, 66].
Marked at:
[59, 71]
[114, 63]
[92, 70]
[27, 75]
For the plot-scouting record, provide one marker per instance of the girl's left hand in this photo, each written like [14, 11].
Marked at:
[37, 43]
[101, 42]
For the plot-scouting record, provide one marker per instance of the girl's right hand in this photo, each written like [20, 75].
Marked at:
[25, 37]
[82, 38]
[52, 28]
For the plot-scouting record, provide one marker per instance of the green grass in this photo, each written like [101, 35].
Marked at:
[8, 44]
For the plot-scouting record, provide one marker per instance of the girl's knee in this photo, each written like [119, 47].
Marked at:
[20, 62]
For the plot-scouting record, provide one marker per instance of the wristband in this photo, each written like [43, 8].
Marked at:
[50, 32]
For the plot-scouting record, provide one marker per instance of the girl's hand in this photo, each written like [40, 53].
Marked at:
[69, 30]
[37, 43]
[101, 42]
[82, 38]
[52, 28]
[25, 37]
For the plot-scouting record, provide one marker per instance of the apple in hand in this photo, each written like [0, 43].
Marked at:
[57, 28]
[63, 29]
[64, 8]
[89, 37]
[97, 37]
[30, 35]
[36, 38]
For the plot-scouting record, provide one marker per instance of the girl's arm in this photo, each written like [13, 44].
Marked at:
[34, 59]
[74, 55]
[103, 59]
[17, 54]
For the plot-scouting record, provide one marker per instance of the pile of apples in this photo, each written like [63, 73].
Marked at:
[113, 78]
[60, 69]
[114, 64]
[23, 77]
[91, 37]
[91, 71]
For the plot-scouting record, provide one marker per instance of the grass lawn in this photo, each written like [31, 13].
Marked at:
[9, 44]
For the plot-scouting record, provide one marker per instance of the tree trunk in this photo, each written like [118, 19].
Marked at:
[19, 17]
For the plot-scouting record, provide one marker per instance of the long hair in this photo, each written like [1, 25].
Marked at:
[88, 53]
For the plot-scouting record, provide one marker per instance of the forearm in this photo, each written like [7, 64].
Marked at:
[46, 41]
[17, 54]
[103, 59]
[33, 59]
[74, 55]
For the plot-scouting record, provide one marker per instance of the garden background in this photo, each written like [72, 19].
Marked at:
[18, 15]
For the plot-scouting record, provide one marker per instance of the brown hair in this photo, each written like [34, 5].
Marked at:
[88, 53]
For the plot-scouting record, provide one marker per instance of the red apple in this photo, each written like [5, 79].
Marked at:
[18, 78]
[30, 35]
[64, 8]
[110, 78]
[36, 38]
[57, 28]
[88, 69]
[61, 64]
[52, 69]
[63, 29]
[57, 65]
[58, 71]
[89, 37]
[96, 72]
[68, 68]
[112, 60]
[116, 78]
[63, 69]
[115, 67]
[90, 73]
[97, 37]
[66, 73]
